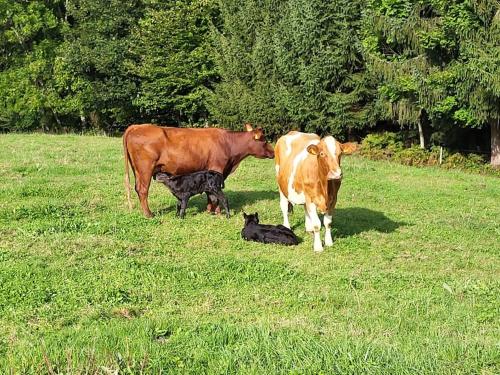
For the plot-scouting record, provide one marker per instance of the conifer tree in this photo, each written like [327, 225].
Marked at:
[291, 64]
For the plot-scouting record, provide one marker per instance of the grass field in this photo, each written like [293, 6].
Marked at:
[411, 285]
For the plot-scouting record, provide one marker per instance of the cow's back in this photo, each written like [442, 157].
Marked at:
[294, 167]
[178, 150]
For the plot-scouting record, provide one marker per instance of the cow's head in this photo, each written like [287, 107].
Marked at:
[258, 145]
[329, 152]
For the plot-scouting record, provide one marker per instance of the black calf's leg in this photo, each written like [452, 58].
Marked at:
[212, 203]
[178, 207]
[222, 198]
[184, 203]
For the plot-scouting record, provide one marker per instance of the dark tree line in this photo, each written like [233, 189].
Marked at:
[337, 67]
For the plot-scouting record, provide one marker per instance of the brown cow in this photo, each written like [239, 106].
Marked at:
[308, 172]
[151, 149]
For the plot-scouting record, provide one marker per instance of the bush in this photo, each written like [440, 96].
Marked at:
[457, 160]
[391, 142]
[416, 156]
[390, 146]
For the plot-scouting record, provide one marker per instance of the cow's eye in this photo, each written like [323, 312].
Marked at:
[322, 154]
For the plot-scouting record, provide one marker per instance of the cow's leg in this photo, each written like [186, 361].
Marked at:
[184, 203]
[284, 209]
[223, 199]
[327, 220]
[211, 205]
[316, 224]
[308, 222]
[142, 182]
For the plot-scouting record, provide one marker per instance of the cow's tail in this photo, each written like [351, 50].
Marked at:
[127, 176]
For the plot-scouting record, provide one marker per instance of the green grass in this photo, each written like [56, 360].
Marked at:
[410, 286]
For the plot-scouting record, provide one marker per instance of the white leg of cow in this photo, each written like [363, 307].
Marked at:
[316, 224]
[327, 220]
[284, 209]
[308, 222]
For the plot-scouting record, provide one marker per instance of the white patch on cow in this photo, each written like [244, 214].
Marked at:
[309, 226]
[284, 209]
[331, 145]
[277, 168]
[289, 140]
[293, 196]
[327, 220]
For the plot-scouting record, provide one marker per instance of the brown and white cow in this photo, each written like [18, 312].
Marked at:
[308, 172]
[150, 149]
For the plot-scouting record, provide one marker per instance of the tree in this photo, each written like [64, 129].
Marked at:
[30, 33]
[435, 60]
[91, 74]
[171, 60]
[478, 86]
[291, 64]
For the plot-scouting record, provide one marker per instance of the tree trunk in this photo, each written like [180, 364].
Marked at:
[495, 142]
[421, 134]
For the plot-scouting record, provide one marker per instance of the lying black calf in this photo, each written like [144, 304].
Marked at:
[253, 231]
[185, 186]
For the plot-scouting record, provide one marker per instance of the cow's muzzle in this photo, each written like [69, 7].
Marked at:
[334, 175]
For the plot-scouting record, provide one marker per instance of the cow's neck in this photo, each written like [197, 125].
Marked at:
[322, 196]
[238, 143]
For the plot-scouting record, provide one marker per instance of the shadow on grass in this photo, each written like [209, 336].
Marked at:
[346, 221]
[355, 220]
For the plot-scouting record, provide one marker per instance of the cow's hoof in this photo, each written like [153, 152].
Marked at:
[328, 242]
[318, 249]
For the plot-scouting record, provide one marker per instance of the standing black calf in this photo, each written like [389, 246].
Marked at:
[253, 231]
[185, 186]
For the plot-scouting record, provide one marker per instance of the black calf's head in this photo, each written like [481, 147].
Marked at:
[251, 218]
[162, 177]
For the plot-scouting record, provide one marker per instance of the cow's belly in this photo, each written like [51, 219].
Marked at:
[185, 162]
[295, 197]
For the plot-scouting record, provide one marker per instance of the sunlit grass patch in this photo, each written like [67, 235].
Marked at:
[410, 285]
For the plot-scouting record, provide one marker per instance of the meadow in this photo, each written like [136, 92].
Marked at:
[411, 285]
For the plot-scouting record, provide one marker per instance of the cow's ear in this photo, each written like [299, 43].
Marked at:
[257, 134]
[313, 149]
[349, 147]
[248, 127]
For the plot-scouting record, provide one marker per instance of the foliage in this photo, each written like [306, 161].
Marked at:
[86, 286]
[291, 64]
[390, 146]
[435, 59]
[29, 35]
[388, 141]
[171, 60]
[92, 78]
[338, 67]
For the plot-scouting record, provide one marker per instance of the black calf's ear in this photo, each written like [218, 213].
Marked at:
[257, 216]
[244, 215]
